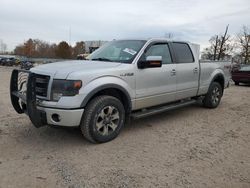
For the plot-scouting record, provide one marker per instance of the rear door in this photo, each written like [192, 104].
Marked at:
[187, 70]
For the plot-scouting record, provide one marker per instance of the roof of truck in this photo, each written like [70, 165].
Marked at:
[154, 38]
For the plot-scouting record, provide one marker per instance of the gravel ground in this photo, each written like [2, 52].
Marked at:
[189, 147]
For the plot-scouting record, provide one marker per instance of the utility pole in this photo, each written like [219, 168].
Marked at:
[70, 35]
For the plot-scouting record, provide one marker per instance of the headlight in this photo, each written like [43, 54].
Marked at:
[65, 88]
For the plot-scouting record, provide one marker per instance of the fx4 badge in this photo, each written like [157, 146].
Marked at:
[127, 74]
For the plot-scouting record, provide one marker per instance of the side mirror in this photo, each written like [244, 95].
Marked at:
[151, 62]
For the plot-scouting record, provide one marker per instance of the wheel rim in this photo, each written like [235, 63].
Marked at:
[107, 120]
[215, 95]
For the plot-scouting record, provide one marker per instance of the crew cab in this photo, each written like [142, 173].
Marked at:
[122, 79]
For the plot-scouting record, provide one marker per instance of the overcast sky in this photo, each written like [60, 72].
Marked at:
[51, 20]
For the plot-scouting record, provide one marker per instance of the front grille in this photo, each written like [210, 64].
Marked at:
[42, 83]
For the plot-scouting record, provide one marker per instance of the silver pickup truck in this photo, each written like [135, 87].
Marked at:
[122, 79]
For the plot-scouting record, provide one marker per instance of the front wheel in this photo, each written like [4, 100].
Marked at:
[213, 96]
[103, 119]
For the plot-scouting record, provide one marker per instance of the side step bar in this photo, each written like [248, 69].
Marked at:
[156, 110]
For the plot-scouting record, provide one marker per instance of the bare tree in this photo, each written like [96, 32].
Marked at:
[243, 39]
[79, 48]
[216, 47]
[36, 48]
[19, 50]
[220, 47]
[64, 50]
[29, 48]
[43, 49]
[224, 39]
[212, 51]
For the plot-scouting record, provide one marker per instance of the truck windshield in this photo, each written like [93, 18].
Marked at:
[123, 51]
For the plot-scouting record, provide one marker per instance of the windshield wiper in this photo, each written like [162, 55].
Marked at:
[101, 59]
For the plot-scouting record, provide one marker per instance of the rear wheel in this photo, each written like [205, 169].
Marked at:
[103, 119]
[237, 83]
[213, 96]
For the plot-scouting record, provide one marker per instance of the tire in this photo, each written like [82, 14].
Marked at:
[103, 119]
[213, 96]
[237, 83]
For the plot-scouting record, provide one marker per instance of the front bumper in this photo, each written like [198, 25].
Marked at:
[69, 118]
[26, 102]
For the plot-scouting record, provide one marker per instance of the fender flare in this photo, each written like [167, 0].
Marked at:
[215, 77]
[106, 86]
[218, 75]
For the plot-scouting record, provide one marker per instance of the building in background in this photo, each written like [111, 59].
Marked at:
[91, 46]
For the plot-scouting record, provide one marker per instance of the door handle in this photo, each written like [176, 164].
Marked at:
[173, 72]
[195, 70]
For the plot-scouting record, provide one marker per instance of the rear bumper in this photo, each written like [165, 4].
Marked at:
[243, 80]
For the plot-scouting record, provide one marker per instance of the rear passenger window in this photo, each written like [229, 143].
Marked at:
[182, 52]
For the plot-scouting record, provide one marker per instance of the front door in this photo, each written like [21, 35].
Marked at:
[156, 86]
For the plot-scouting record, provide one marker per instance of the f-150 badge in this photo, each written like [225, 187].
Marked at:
[127, 74]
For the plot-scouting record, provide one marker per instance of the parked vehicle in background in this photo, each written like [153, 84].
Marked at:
[2, 61]
[81, 57]
[26, 65]
[235, 66]
[6, 62]
[122, 79]
[17, 62]
[9, 61]
[241, 74]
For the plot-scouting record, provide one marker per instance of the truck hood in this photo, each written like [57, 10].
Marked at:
[60, 70]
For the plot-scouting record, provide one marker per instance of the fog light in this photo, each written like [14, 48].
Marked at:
[56, 117]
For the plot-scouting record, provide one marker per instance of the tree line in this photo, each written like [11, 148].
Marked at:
[224, 46]
[35, 48]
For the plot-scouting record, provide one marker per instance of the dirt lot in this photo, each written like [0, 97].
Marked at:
[190, 147]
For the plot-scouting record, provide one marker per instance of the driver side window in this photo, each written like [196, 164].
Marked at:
[160, 50]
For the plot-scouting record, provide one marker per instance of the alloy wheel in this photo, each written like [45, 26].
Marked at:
[215, 95]
[107, 120]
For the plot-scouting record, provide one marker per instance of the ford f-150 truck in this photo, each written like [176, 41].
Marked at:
[123, 78]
